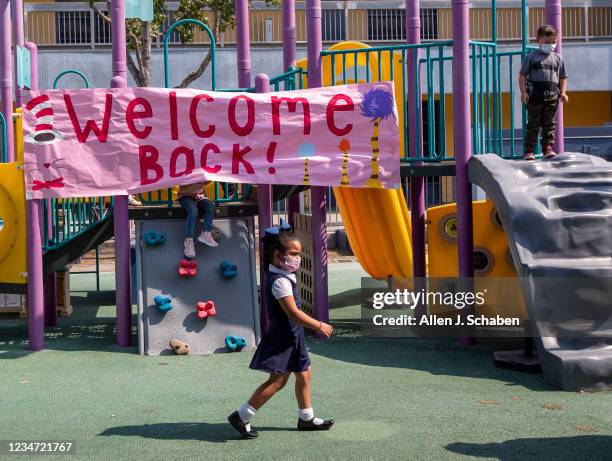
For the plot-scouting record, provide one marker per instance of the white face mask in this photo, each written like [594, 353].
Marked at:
[548, 47]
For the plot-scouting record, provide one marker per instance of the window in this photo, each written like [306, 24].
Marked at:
[74, 28]
[389, 25]
[333, 26]
[429, 24]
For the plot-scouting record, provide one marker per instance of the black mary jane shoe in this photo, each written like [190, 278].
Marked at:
[238, 424]
[311, 426]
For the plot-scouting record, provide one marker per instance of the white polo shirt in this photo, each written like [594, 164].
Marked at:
[282, 287]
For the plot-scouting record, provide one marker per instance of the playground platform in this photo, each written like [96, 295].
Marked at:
[396, 398]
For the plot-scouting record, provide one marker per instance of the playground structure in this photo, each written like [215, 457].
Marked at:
[369, 214]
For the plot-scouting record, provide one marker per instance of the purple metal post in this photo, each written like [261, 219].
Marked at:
[463, 140]
[6, 75]
[243, 44]
[415, 138]
[50, 280]
[289, 34]
[119, 42]
[289, 60]
[554, 18]
[34, 76]
[315, 43]
[264, 202]
[122, 270]
[38, 315]
[18, 40]
[36, 310]
[120, 206]
[50, 300]
[317, 194]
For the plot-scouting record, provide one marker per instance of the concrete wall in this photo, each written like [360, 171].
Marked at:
[589, 66]
[96, 65]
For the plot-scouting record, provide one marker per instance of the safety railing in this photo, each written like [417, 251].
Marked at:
[493, 114]
[494, 111]
[486, 98]
[293, 79]
[390, 63]
[223, 193]
[67, 218]
[506, 147]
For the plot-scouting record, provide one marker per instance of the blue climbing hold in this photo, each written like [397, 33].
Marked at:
[228, 269]
[163, 303]
[155, 237]
[235, 343]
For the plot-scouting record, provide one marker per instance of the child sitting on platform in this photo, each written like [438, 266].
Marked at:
[192, 199]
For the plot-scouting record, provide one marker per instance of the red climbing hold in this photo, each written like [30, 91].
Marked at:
[206, 309]
[187, 268]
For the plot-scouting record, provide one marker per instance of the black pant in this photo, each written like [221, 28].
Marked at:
[541, 115]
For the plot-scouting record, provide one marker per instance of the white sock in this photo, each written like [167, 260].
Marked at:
[307, 414]
[246, 413]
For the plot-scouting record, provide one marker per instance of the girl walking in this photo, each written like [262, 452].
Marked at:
[282, 350]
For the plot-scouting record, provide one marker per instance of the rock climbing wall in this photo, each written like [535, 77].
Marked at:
[557, 215]
[235, 299]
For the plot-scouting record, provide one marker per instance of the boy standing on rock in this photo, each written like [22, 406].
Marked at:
[543, 81]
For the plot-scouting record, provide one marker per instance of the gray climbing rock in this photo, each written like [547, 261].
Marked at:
[557, 215]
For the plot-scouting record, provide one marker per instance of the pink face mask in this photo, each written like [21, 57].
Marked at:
[290, 264]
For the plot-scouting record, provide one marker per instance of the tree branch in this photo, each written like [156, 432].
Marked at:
[134, 70]
[196, 74]
[193, 76]
[104, 17]
[136, 44]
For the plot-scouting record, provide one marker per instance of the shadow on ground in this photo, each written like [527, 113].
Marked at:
[92, 328]
[346, 298]
[84, 330]
[443, 357]
[557, 448]
[207, 432]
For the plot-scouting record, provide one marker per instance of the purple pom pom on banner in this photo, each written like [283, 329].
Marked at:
[377, 104]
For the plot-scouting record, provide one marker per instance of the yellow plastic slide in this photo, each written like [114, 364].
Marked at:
[377, 224]
[377, 221]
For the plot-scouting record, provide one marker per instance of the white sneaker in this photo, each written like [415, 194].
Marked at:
[132, 201]
[189, 248]
[207, 239]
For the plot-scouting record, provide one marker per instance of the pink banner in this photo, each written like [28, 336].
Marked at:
[96, 142]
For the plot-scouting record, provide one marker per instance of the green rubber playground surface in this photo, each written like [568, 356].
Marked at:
[392, 399]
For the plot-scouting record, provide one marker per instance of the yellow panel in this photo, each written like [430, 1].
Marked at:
[490, 241]
[344, 67]
[18, 130]
[13, 233]
[588, 108]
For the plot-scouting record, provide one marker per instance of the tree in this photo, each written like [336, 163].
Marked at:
[218, 15]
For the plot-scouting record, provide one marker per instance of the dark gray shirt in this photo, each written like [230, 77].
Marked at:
[543, 72]
[543, 67]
